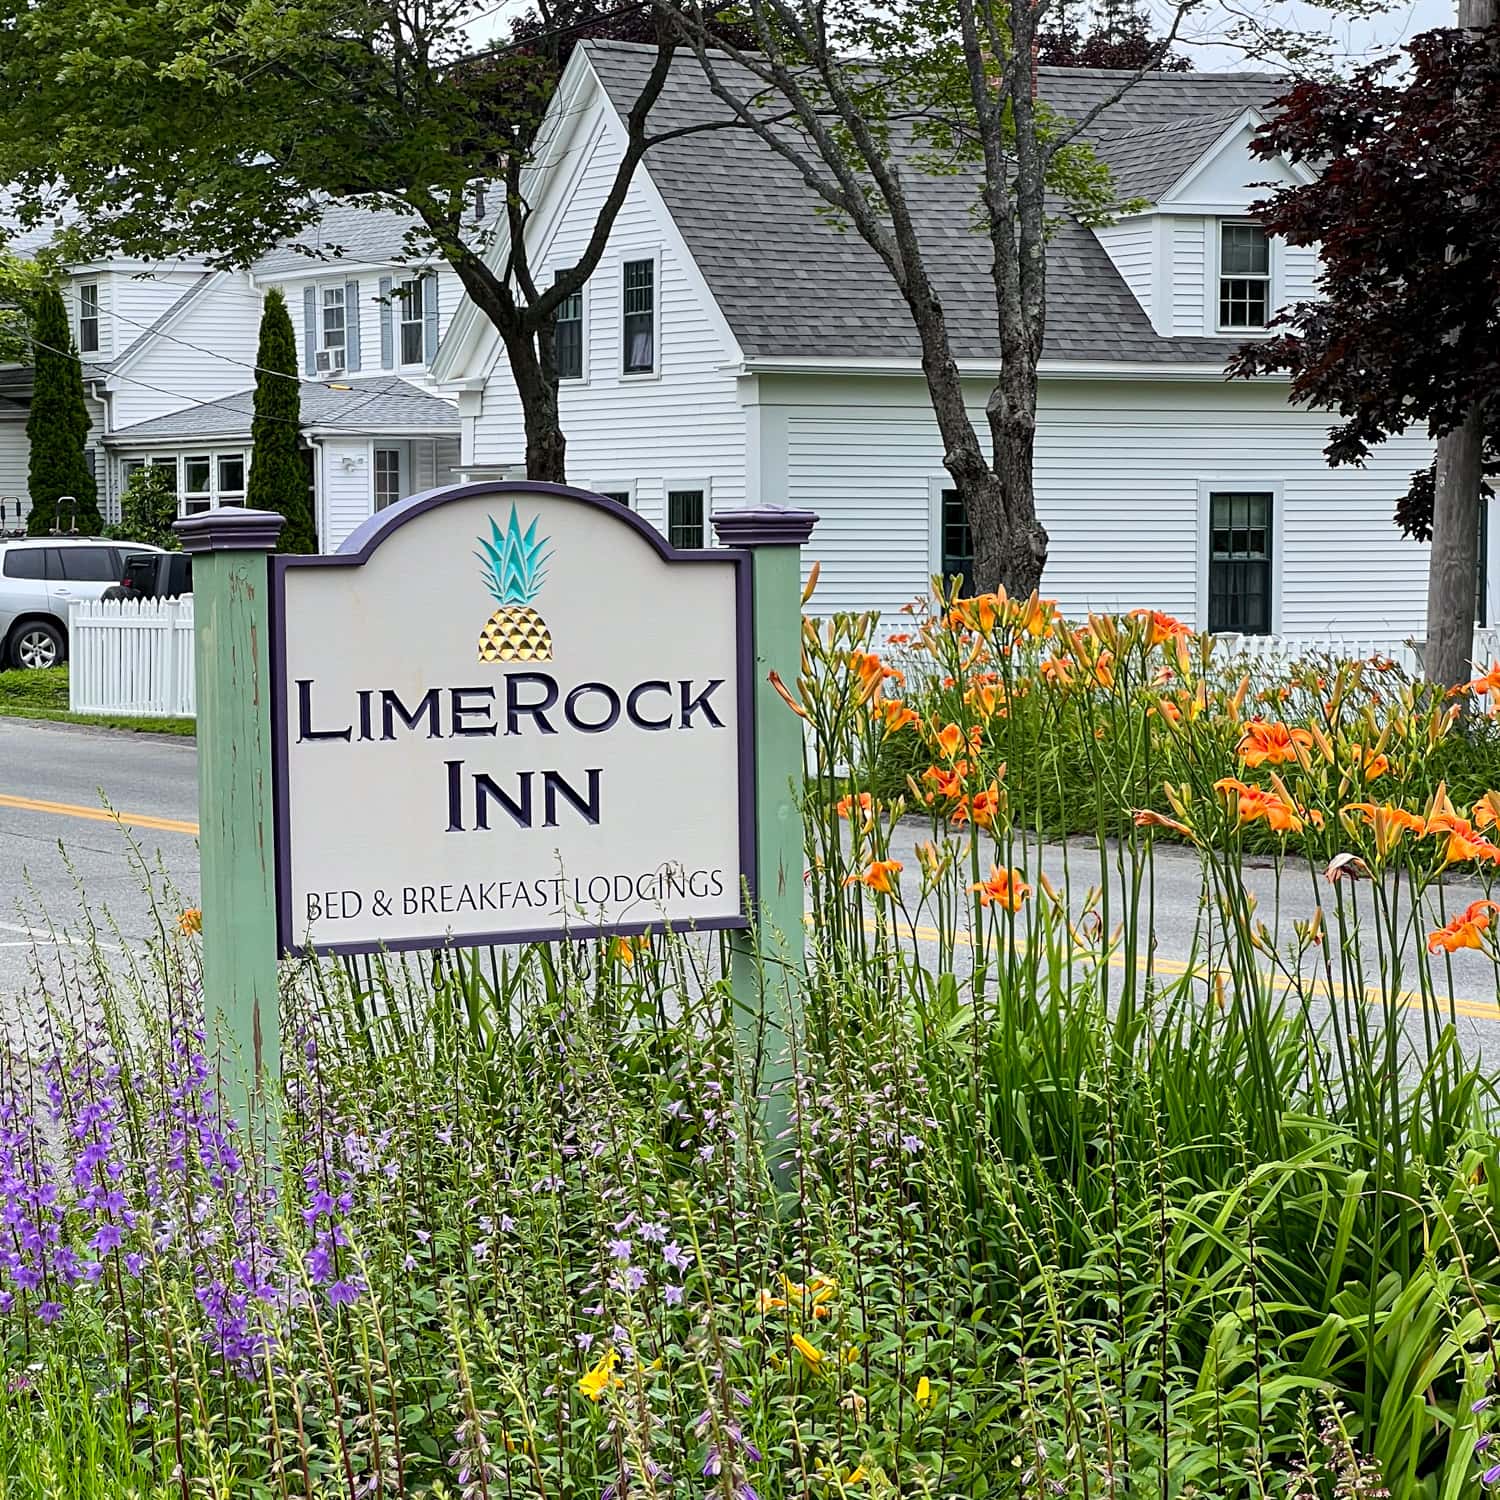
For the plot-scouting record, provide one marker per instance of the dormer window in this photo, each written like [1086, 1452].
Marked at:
[1244, 276]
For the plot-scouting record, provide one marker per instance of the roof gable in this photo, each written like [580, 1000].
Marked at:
[791, 284]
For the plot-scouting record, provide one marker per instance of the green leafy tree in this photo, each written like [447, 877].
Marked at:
[21, 283]
[189, 132]
[278, 477]
[58, 425]
[148, 508]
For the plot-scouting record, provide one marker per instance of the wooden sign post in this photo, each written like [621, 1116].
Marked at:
[501, 713]
[768, 960]
[237, 877]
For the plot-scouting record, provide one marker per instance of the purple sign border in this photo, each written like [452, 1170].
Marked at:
[357, 550]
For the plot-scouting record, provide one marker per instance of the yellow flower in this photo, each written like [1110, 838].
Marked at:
[594, 1384]
[924, 1393]
[624, 949]
[809, 1352]
[190, 921]
[856, 1475]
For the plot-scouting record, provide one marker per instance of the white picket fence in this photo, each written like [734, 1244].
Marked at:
[130, 656]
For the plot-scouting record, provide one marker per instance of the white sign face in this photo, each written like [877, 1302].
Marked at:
[509, 713]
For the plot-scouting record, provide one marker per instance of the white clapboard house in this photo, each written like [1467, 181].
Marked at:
[169, 352]
[734, 347]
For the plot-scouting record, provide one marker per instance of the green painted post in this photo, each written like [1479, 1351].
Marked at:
[768, 963]
[231, 628]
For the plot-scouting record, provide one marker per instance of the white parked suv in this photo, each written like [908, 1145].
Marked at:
[39, 577]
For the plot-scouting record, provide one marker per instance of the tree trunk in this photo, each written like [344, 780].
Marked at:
[546, 445]
[1012, 417]
[1453, 569]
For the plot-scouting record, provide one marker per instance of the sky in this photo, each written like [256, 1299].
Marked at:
[1206, 32]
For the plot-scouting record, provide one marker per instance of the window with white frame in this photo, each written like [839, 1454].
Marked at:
[1240, 531]
[88, 317]
[387, 477]
[412, 321]
[335, 334]
[567, 336]
[1244, 276]
[622, 494]
[203, 480]
[639, 290]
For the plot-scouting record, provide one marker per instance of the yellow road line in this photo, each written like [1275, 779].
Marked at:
[97, 814]
[1484, 1010]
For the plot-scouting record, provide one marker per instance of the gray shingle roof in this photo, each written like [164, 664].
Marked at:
[368, 406]
[791, 284]
[1148, 160]
[358, 235]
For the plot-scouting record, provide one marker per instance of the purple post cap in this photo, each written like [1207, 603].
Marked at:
[230, 528]
[765, 526]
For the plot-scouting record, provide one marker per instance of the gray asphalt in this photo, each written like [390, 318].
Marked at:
[62, 871]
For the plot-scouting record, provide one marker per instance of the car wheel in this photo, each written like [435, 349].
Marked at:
[36, 645]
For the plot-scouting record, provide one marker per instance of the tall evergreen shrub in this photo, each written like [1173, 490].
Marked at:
[278, 478]
[58, 425]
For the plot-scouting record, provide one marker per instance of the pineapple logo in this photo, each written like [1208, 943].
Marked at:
[515, 567]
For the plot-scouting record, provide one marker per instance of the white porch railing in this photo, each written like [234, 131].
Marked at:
[130, 656]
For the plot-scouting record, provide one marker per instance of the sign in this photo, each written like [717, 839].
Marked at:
[508, 713]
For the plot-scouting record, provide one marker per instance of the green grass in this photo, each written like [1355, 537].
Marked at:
[44, 695]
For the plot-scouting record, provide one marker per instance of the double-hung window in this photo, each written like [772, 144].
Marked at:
[387, 477]
[88, 317]
[413, 323]
[687, 517]
[639, 291]
[955, 542]
[567, 336]
[1244, 276]
[1239, 561]
[335, 335]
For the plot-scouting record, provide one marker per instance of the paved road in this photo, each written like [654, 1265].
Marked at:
[66, 863]
[64, 860]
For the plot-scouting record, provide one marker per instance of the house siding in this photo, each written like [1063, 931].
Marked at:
[450, 293]
[15, 457]
[1131, 245]
[345, 490]
[1119, 467]
[210, 354]
[1191, 267]
[681, 428]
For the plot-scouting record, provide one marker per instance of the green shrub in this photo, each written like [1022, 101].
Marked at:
[148, 509]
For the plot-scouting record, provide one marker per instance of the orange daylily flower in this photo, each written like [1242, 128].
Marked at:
[945, 782]
[775, 680]
[1489, 683]
[1486, 811]
[1058, 669]
[190, 921]
[624, 949]
[1146, 818]
[1388, 821]
[1160, 627]
[985, 805]
[1464, 930]
[950, 740]
[897, 715]
[846, 804]
[1273, 744]
[1253, 802]
[878, 876]
[1003, 888]
[1373, 766]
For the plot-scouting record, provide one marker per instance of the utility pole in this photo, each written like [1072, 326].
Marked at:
[1453, 570]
